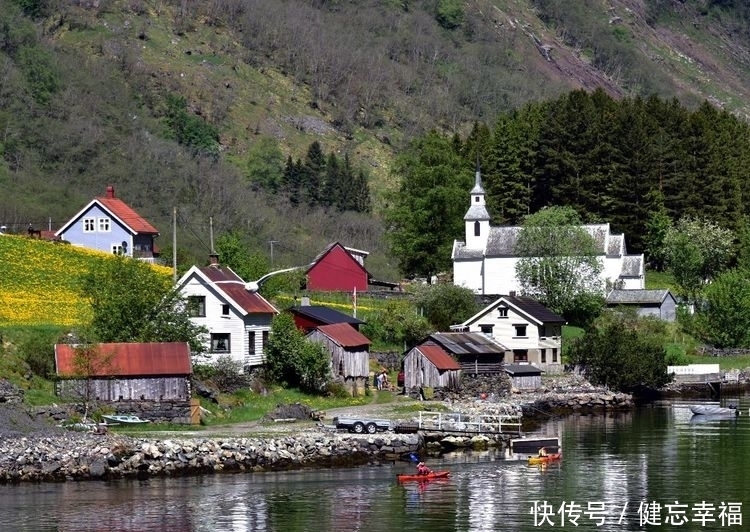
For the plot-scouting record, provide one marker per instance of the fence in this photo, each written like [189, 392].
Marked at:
[470, 423]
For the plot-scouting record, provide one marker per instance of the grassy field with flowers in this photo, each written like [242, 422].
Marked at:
[39, 279]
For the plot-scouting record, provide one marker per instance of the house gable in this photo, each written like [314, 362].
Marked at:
[337, 269]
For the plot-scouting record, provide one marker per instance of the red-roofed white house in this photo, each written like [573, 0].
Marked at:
[238, 320]
[108, 224]
[350, 354]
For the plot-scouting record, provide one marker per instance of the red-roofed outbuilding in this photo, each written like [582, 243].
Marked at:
[350, 354]
[151, 380]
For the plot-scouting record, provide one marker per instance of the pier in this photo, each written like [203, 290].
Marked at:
[468, 424]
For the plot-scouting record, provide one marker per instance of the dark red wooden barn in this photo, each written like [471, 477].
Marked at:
[337, 269]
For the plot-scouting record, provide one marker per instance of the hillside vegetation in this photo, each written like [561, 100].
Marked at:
[39, 282]
[87, 89]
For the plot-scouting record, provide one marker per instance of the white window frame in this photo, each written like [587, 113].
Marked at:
[117, 249]
[103, 225]
[89, 225]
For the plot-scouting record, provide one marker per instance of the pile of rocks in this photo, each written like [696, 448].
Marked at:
[73, 456]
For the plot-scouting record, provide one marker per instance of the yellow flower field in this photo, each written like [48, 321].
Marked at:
[38, 281]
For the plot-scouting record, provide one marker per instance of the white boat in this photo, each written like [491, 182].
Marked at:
[125, 419]
[712, 410]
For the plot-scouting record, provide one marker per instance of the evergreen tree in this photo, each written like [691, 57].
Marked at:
[332, 185]
[313, 174]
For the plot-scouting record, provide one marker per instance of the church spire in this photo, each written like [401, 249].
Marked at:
[477, 219]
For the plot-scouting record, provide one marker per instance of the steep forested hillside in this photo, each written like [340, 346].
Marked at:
[200, 106]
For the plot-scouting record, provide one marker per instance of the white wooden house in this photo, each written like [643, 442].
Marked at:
[485, 261]
[350, 354]
[529, 331]
[238, 320]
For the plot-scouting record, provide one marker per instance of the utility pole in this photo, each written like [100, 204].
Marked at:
[174, 244]
[272, 242]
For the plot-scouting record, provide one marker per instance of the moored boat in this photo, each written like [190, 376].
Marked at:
[705, 410]
[423, 478]
[125, 419]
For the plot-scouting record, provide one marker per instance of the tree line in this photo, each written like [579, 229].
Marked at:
[616, 161]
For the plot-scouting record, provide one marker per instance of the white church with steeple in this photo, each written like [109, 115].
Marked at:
[485, 260]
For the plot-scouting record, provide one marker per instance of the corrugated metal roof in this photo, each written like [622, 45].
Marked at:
[131, 218]
[324, 315]
[344, 334]
[522, 369]
[233, 286]
[467, 343]
[437, 355]
[128, 359]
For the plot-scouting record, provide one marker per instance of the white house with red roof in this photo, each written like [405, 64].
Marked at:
[238, 320]
[108, 224]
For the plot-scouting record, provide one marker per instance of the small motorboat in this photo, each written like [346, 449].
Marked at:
[434, 475]
[125, 419]
[712, 410]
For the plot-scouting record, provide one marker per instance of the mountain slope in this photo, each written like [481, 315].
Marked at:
[85, 89]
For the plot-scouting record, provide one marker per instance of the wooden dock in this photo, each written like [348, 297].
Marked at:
[469, 424]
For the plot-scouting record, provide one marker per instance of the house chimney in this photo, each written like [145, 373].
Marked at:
[110, 191]
[305, 302]
[512, 293]
[213, 260]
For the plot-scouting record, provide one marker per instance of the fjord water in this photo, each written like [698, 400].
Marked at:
[612, 464]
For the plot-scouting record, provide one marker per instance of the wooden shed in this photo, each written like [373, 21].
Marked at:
[428, 365]
[475, 352]
[149, 379]
[660, 304]
[524, 376]
[350, 354]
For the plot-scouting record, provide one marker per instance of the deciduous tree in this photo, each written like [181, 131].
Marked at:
[558, 261]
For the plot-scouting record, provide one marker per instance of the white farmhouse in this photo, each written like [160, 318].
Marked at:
[238, 320]
[485, 261]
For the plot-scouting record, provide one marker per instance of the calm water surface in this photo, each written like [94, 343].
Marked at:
[683, 470]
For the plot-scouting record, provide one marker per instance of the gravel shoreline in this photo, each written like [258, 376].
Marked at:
[32, 450]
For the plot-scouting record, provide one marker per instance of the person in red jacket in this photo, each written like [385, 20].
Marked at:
[422, 469]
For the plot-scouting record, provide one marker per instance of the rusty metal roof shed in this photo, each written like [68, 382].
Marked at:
[344, 334]
[127, 359]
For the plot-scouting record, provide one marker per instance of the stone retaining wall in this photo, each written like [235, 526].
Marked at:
[73, 456]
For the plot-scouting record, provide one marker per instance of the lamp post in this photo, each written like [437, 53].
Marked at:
[272, 242]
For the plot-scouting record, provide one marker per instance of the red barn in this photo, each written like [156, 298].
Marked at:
[338, 269]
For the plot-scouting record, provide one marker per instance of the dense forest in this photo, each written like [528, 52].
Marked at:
[617, 161]
[220, 110]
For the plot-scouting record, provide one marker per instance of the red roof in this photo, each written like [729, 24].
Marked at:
[438, 356]
[128, 359]
[233, 286]
[122, 211]
[344, 334]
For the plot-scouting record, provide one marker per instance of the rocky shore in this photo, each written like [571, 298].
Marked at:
[73, 456]
[32, 451]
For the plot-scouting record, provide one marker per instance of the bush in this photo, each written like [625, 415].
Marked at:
[227, 375]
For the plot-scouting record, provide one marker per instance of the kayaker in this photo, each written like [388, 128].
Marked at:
[422, 469]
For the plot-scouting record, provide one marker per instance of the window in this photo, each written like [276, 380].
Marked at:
[196, 306]
[477, 230]
[486, 330]
[502, 312]
[520, 355]
[544, 356]
[117, 249]
[225, 310]
[251, 342]
[104, 225]
[554, 354]
[520, 330]
[220, 343]
[266, 334]
[88, 225]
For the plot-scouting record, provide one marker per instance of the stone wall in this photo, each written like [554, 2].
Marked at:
[74, 456]
[9, 393]
[160, 411]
